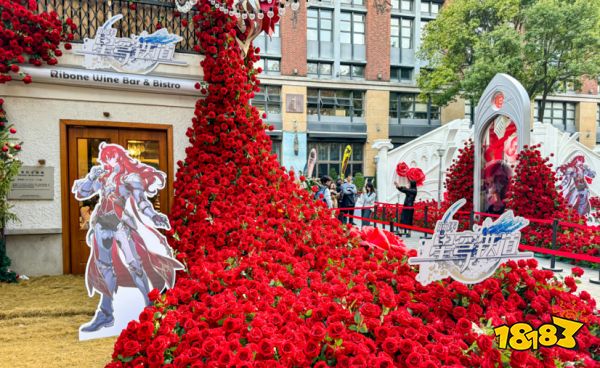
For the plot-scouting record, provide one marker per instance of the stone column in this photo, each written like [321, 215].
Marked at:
[382, 146]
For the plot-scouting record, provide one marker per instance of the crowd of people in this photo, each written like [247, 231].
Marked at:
[343, 194]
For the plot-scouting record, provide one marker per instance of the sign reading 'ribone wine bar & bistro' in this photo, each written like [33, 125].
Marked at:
[102, 79]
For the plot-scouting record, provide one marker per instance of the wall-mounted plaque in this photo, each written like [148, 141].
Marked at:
[33, 182]
[294, 103]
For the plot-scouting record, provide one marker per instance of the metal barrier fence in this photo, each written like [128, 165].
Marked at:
[138, 16]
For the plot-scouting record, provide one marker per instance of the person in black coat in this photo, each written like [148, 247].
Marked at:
[406, 218]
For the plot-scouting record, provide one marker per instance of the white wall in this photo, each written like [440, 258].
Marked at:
[35, 245]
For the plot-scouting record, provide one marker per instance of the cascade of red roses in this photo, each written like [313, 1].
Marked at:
[29, 37]
[459, 178]
[273, 280]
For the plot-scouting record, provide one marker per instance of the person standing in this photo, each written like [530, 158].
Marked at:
[334, 194]
[348, 193]
[368, 198]
[406, 218]
[323, 194]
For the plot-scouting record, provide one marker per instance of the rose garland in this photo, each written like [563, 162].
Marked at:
[29, 37]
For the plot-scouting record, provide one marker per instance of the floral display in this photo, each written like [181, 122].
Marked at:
[406, 172]
[459, 178]
[29, 37]
[376, 237]
[273, 280]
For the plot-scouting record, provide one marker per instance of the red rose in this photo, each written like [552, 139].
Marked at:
[415, 174]
[402, 169]
[131, 348]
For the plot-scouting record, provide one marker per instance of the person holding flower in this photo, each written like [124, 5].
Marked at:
[406, 218]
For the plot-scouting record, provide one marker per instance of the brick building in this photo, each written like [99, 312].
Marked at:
[344, 72]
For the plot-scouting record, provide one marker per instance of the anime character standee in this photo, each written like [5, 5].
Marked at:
[125, 250]
[576, 177]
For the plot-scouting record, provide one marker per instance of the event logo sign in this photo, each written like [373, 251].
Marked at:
[469, 256]
[136, 54]
[129, 256]
[576, 178]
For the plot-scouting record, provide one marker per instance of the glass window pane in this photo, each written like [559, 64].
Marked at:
[325, 69]
[345, 71]
[326, 24]
[358, 71]
[312, 35]
[424, 7]
[325, 36]
[407, 4]
[345, 38]
[312, 68]
[359, 39]
[273, 65]
[334, 151]
[321, 170]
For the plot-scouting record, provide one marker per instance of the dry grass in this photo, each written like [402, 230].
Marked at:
[39, 323]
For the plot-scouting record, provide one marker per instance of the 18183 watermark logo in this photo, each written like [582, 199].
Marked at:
[522, 336]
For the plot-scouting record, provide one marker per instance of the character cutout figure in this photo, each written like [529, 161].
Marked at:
[576, 177]
[126, 248]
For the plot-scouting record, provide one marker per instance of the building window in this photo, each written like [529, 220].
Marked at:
[270, 66]
[269, 45]
[559, 114]
[352, 2]
[352, 71]
[352, 34]
[268, 100]
[401, 74]
[401, 33]
[329, 158]
[402, 5]
[407, 106]
[319, 69]
[320, 28]
[276, 149]
[336, 103]
[430, 8]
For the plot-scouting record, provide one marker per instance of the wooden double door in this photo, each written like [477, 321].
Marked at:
[149, 146]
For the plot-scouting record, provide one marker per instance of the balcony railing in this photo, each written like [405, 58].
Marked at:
[144, 15]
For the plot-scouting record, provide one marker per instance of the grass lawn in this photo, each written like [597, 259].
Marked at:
[39, 324]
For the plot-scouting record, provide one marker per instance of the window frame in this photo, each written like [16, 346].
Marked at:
[433, 112]
[352, 32]
[332, 101]
[357, 147]
[319, 28]
[269, 99]
[400, 36]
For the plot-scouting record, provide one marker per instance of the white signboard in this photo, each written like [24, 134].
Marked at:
[469, 256]
[136, 54]
[33, 182]
[89, 78]
[128, 255]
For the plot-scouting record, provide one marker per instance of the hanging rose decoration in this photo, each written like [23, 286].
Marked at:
[402, 169]
[29, 37]
[417, 175]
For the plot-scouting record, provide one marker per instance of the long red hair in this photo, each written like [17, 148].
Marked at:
[152, 179]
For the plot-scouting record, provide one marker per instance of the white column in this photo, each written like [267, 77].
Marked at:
[383, 186]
